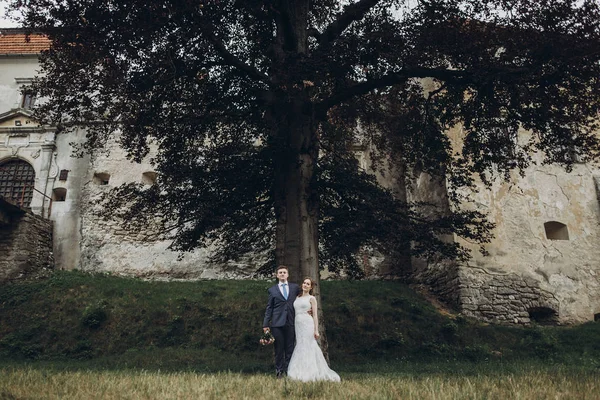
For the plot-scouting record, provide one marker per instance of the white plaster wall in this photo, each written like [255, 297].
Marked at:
[67, 214]
[10, 68]
[28, 145]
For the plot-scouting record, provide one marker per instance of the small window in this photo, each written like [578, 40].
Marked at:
[28, 99]
[59, 194]
[543, 315]
[556, 230]
[149, 178]
[101, 178]
[597, 317]
[64, 173]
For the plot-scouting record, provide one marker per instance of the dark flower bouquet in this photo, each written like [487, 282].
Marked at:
[266, 338]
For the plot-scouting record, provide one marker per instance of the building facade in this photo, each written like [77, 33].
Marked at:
[543, 264]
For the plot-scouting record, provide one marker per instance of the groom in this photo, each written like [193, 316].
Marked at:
[279, 318]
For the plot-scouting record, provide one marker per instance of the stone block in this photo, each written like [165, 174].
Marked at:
[506, 290]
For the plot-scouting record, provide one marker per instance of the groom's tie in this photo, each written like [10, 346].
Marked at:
[284, 289]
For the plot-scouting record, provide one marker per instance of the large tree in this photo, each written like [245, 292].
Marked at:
[254, 108]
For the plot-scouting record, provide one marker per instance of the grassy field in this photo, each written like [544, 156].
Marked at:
[213, 326]
[525, 383]
[80, 336]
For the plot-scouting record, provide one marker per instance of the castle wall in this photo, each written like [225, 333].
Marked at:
[441, 277]
[25, 246]
[106, 246]
[528, 266]
[23, 138]
[525, 269]
[391, 176]
[527, 272]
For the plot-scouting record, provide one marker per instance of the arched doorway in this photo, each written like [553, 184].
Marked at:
[17, 178]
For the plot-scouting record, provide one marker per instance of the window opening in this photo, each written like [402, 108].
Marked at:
[59, 194]
[556, 230]
[149, 178]
[17, 179]
[64, 173]
[101, 178]
[28, 100]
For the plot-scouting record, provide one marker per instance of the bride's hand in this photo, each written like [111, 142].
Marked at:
[317, 335]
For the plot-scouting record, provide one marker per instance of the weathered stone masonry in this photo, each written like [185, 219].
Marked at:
[505, 298]
[25, 245]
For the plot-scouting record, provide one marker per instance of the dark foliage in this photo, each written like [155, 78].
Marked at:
[220, 88]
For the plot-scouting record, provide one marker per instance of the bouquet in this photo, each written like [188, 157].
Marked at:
[266, 338]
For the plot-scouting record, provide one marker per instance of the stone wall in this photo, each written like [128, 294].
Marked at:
[529, 273]
[506, 298]
[25, 247]
[441, 279]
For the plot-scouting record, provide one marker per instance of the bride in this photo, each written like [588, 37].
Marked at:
[307, 363]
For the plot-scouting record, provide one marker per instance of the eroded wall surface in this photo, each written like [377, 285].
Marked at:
[526, 269]
[25, 247]
[530, 273]
[107, 246]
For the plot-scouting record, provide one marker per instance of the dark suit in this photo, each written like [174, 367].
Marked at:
[279, 316]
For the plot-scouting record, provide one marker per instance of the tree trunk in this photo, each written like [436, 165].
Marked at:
[296, 200]
[295, 147]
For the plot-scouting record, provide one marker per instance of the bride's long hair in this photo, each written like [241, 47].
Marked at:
[312, 284]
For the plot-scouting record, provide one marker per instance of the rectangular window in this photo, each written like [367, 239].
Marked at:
[28, 100]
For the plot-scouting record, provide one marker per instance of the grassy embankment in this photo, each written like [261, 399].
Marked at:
[100, 321]
[76, 336]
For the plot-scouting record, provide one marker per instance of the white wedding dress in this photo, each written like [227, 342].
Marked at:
[307, 363]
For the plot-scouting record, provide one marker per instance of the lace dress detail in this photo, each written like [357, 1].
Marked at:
[307, 363]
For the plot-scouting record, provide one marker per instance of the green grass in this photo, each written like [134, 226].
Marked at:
[74, 320]
[525, 383]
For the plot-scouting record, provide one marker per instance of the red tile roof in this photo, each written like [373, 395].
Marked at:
[14, 41]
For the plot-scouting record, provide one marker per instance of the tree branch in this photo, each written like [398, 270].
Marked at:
[313, 32]
[351, 13]
[232, 60]
[462, 77]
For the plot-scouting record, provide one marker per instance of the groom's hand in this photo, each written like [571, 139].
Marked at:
[266, 329]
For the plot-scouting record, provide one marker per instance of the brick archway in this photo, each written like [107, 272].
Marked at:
[17, 178]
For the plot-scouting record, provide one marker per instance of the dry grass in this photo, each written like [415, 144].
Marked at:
[28, 383]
